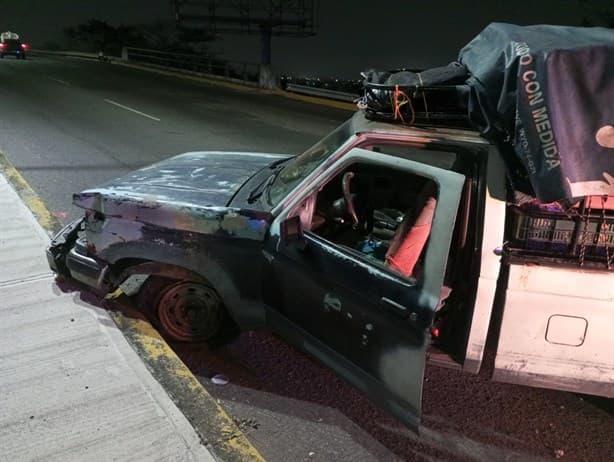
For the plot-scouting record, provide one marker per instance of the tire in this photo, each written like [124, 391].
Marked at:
[181, 310]
[1, 56]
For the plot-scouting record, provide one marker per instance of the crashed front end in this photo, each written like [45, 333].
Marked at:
[91, 249]
[159, 213]
[67, 256]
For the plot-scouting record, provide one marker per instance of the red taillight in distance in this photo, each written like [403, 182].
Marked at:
[2, 45]
[25, 46]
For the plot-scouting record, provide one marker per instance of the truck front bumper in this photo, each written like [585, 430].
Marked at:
[67, 256]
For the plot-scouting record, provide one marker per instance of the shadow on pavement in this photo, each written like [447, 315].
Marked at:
[290, 405]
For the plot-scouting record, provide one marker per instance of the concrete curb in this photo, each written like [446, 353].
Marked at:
[213, 425]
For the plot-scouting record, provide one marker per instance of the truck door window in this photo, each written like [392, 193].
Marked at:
[299, 167]
[448, 160]
[379, 212]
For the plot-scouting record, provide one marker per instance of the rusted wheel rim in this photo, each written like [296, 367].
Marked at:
[189, 311]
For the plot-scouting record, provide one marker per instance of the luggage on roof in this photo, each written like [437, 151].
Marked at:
[430, 97]
[543, 94]
[549, 92]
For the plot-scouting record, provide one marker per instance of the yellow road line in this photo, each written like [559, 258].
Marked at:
[316, 100]
[47, 220]
[214, 426]
[195, 78]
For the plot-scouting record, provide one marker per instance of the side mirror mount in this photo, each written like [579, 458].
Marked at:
[291, 231]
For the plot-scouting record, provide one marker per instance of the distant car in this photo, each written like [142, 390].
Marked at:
[12, 46]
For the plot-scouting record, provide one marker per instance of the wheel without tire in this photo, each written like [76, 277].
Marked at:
[185, 311]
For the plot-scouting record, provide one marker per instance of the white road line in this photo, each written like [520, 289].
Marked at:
[59, 80]
[114, 103]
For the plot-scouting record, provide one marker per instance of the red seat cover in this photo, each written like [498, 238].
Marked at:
[403, 256]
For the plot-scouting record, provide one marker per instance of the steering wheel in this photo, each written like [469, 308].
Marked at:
[347, 196]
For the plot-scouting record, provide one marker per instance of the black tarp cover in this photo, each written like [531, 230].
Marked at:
[549, 90]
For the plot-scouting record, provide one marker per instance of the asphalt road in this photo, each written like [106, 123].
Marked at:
[69, 124]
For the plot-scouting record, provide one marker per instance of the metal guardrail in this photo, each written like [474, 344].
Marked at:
[232, 70]
[72, 54]
[240, 72]
[322, 92]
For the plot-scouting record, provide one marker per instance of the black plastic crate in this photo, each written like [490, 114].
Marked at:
[551, 232]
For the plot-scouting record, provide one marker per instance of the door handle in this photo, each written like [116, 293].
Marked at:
[394, 307]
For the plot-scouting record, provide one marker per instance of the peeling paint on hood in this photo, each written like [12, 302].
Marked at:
[203, 179]
[188, 192]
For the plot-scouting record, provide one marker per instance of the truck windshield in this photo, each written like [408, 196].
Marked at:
[302, 165]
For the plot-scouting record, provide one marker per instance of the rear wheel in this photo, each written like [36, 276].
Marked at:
[184, 311]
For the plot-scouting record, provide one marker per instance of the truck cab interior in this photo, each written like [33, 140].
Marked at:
[371, 210]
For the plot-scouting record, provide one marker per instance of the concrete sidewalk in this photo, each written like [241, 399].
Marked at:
[71, 387]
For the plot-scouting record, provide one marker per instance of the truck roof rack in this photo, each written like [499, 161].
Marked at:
[438, 105]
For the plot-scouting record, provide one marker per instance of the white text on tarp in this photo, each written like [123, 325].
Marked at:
[535, 97]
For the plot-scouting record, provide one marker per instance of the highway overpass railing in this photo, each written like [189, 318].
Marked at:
[71, 54]
[322, 92]
[230, 70]
[235, 71]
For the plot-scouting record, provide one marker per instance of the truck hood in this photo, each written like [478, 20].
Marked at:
[195, 179]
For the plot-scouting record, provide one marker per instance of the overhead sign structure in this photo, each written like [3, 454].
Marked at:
[267, 18]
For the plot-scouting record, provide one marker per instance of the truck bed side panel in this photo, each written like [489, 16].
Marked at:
[556, 330]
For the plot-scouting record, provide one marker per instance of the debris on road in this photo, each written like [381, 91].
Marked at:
[220, 379]
[243, 424]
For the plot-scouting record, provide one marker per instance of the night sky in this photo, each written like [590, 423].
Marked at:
[353, 34]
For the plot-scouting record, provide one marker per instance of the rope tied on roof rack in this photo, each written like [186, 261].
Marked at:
[400, 99]
[601, 234]
[585, 217]
[603, 229]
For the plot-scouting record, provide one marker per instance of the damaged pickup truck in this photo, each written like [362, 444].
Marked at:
[377, 248]
[380, 248]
